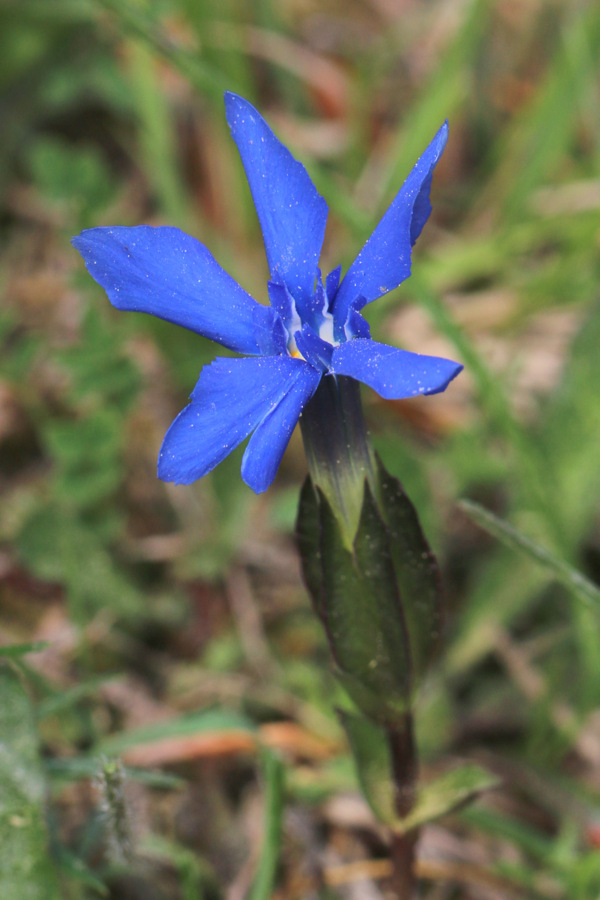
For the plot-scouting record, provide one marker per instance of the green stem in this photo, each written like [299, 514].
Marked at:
[405, 775]
[340, 459]
[402, 853]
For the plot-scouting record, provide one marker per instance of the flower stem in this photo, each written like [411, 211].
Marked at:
[405, 774]
[402, 852]
[340, 460]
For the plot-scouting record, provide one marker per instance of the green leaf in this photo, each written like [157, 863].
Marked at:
[27, 872]
[308, 534]
[446, 794]
[417, 572]
[355, 594]
[372, 757]
[584, 589]
[370, 747]
[361, 611]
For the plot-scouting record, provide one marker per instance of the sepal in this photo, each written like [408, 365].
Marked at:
[373, 764]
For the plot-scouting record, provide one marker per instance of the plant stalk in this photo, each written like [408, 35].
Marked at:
[405, 775]
[341, 460]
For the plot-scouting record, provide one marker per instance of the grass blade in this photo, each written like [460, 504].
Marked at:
[274, 772]
[584, 589]
[134, 21]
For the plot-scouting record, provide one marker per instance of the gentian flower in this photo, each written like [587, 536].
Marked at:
[313, 329]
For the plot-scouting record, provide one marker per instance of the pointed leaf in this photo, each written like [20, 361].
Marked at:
[370, 747]
[362, 613]
[371, 752]
[417, 571]
[446, 794]
[308, 534]
[570, 577]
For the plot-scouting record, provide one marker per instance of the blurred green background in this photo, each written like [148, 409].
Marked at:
[178, 634]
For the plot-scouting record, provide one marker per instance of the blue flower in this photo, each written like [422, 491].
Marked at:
[312, 329]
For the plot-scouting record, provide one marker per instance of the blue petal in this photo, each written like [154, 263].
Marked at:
[357, 326]
[314, 349]
[292, 214]
[169, 274]
[384, 261]
[267, 444]
[231, 398]
[332, 283]
[393, 373]
[314, 311]
[282, 301]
